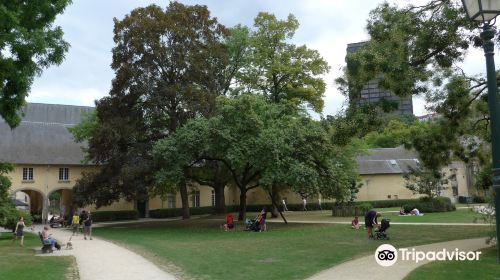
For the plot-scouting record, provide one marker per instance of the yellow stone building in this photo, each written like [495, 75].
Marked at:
[47, 160]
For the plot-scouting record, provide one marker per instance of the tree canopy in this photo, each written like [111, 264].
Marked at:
[169, 65]
[262, 144]
[29, 43]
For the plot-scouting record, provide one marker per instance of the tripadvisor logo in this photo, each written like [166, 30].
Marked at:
[387, 255]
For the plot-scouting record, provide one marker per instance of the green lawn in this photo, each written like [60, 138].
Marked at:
[463, 215]
[20, 263]
[295, 251]
[487, 268]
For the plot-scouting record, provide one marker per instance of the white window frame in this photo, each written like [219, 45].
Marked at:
[195, 198]
[213, 198]
[171, 201]
[28, 174]
[64, 174]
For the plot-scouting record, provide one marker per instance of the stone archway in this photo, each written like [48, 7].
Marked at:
[37, 204]
[61, 202]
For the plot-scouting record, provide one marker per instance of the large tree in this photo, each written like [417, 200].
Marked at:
[262, 144]
[29, 43]
[280, 70]
[169, 67]
[415, 50]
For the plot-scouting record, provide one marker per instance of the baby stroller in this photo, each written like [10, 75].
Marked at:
[254, 224]
[380, 233]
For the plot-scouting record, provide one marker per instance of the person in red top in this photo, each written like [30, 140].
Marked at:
[355, 223]
[229, 222]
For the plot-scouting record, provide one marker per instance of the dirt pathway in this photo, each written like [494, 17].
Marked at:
[367, 267]
[102, 260]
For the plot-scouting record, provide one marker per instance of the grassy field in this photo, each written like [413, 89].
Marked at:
[20, 263]
[295, 251]
[485, 269]
[463, 215]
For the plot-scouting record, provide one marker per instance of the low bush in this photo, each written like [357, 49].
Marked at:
[365, 207]
[429, 205]
[177, 212]
[104, 216]
[388, 203]
[9, 216]
[478, 199]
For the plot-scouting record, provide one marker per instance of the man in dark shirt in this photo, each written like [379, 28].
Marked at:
[371, 221]
[87, 226]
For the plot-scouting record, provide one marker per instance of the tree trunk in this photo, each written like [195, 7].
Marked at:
[220, 182]
[243, 205]
[220, 200]
[184, 199]
[275, 205]
[274, 210]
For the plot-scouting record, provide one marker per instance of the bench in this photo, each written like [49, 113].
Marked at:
[47, 246]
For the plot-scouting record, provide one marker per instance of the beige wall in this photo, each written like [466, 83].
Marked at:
[375, 187]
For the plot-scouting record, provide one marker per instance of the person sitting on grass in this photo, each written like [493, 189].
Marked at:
[415, 212]
[229, 222]
[371, 221]
[355, 223]
[402, 211]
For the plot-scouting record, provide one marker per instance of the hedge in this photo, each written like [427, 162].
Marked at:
[427, 205]
[105, 216]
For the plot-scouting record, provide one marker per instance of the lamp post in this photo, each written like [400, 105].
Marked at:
[485, 11]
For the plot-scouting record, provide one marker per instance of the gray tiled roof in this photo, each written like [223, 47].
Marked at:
[43, 136]
[386, 161]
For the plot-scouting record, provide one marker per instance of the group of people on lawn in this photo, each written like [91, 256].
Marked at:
[85, 219]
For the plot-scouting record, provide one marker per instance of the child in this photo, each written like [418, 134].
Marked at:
[229, 222]
[355, 223]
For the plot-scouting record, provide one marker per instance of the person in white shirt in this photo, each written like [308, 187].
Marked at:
[304, 204]
[415, 212]
[284, 205]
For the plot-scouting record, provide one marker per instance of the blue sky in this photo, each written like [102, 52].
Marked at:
[325, 25]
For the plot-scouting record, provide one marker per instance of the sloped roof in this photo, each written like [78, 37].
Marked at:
[43, 136]
[387, 161]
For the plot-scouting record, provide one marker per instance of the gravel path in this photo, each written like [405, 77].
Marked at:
[367, 267]
[102, 260]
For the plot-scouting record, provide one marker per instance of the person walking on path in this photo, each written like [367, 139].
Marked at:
[284, 205]
[319, 204]
[87, 226]
[19, 231]
[75, 223]
[304, 204]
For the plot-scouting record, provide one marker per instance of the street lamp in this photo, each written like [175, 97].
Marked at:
[485, 11]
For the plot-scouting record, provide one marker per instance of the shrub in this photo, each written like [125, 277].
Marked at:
[462, 199]
[478, 199]
[9, 216]
[177, 212]
[104, 216]
[365, 207]
[388, 203]
[429, 205]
